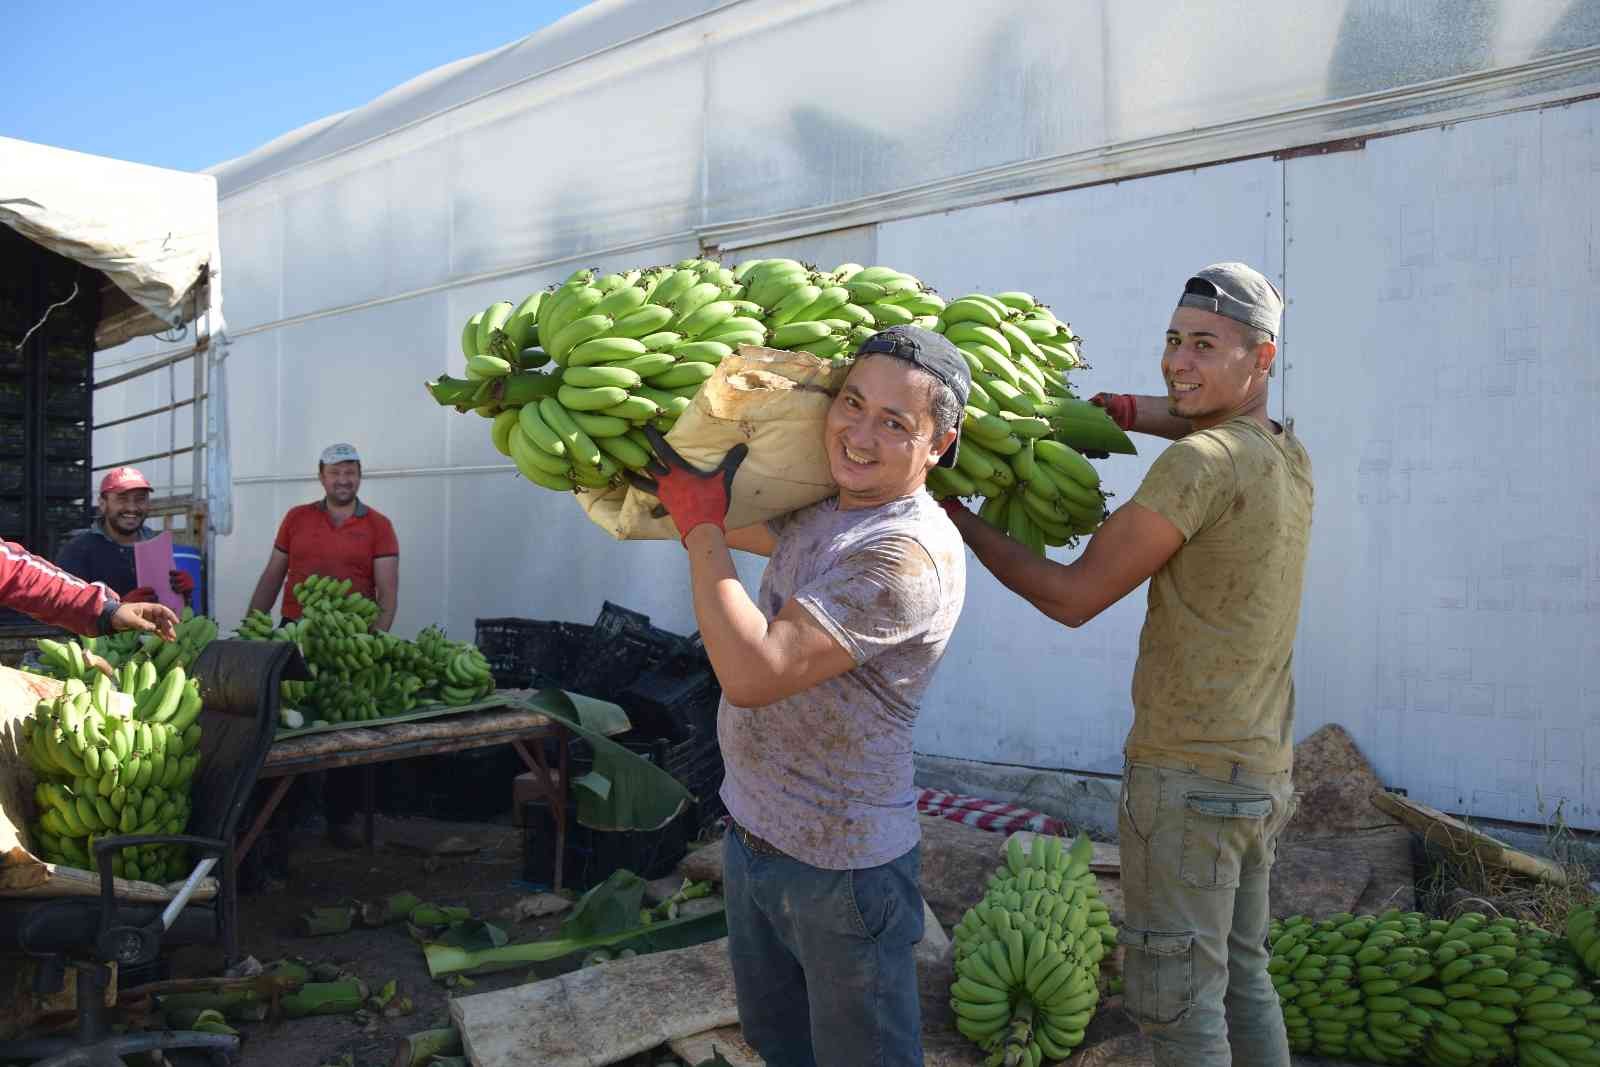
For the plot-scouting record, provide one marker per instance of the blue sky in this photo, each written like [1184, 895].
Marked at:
[187, 86]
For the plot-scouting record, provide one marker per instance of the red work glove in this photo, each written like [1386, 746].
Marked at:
[953, 506]
[182, 582]
[691, 496]
[1123, 409]
[144, 594]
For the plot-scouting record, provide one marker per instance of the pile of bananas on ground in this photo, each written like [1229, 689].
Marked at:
[1400, 988]
[1027, 957]
[112, 761]
[65, 659]
[630, 350]
[358, 674]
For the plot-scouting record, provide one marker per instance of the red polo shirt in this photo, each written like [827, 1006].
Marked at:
[315, 545]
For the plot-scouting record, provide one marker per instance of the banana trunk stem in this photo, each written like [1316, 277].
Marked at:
[1020, 1035]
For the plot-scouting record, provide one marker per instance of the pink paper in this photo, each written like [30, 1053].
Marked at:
[153, 566]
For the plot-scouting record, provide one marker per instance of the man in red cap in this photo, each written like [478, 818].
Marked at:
[104, 552]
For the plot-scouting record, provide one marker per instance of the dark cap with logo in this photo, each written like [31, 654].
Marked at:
[929, 352]
[1237, 292]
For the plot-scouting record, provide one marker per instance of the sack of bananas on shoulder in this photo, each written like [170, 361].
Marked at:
[569, 377]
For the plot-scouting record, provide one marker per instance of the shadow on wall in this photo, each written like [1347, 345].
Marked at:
[1381, 46]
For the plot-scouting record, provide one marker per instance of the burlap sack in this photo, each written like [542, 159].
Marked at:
[773, 401]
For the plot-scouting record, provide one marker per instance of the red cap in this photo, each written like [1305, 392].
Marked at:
[121, 479]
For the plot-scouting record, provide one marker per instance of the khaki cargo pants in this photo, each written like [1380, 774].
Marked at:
[1196, 855]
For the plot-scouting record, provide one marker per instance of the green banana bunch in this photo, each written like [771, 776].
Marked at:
[1027, 957]
[107, 763]
[631, 350]
[358, 674]
[1403, 988]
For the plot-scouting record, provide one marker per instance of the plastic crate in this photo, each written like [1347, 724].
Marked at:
[11, 519]
[675, 698]
[13, 400]
[67, 438]
[530, 654]
[66, 477]
[591, 856]
[13, 434]
[11, 475]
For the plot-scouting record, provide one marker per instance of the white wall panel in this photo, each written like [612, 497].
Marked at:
[1111, 260]
[1444, 379]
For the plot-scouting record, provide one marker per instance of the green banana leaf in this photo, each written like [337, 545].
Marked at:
[638, 794]
[446, 959]
[608, 908]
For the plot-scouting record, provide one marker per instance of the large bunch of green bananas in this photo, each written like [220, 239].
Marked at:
[1400, 988]
[631, 350]
[66, 659]
[111, 762]
[1027, 957]
[358, 674]
[1022, 428]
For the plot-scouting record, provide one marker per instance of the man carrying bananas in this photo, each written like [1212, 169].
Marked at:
[822, 678]
[1219, 527]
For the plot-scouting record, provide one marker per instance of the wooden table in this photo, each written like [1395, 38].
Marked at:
[366, 746]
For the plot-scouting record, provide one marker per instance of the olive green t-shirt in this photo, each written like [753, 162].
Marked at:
[1214, 683]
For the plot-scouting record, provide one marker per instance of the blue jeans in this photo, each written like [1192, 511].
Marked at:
[823, 961]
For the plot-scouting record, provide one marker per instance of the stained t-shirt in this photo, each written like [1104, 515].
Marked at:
[1215, 675]
[826, 774]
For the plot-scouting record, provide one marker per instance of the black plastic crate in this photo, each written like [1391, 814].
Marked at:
[66, 438]
[12, 519]
[11, 475]
[675, 698]
[13, 398]
[13, 434]
[528, 653]
[66, 477]
[592, 856]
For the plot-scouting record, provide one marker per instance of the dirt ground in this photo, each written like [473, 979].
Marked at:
[482, 879]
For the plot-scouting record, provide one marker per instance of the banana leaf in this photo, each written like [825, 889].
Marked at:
[608, 908]
[446, 959]
[639, 795]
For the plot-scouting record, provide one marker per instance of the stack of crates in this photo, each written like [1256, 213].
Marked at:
[46, 396]
[665, 684]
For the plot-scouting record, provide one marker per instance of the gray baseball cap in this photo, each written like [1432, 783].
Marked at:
[339, 453]
[930, 352]
[1238, 292]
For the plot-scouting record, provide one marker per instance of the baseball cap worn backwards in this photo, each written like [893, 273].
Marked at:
[339, 453]
[1237, 292]
[122, 479]
[932, 353]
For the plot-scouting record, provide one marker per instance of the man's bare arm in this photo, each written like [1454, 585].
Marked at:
[270, 582]
[1154, 419]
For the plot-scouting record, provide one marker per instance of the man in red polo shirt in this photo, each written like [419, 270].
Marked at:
[337, 536]
[341, 537]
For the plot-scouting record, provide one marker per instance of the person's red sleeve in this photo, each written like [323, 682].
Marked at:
[39, 588]
[384, 541]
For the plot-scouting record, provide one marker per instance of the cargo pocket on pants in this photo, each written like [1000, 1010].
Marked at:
[1158, 975]
[1217, 830]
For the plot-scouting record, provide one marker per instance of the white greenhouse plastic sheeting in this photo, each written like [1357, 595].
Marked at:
[917, 134]
[150, 231]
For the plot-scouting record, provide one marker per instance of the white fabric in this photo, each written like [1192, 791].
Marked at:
[151, 231]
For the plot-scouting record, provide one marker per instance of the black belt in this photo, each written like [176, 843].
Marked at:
[759, 845]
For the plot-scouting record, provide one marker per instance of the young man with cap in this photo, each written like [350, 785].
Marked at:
[104, 552]
[822, 678]
[340, 537]
[1220, 528]
[337, 536]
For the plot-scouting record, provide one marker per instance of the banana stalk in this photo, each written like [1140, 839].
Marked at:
[419, 1049]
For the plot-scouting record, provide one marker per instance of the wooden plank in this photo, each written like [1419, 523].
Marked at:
[600, 1015]
[1437, 828]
